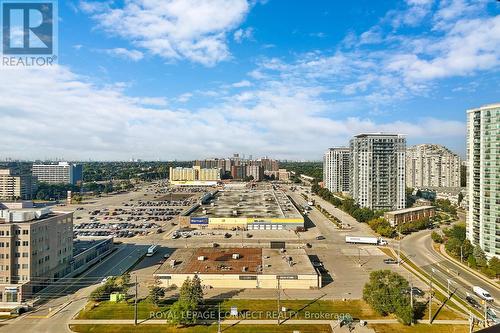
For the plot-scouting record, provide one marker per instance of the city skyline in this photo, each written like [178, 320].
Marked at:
[240, 82]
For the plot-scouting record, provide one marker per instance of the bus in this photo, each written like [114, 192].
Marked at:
[152, 250]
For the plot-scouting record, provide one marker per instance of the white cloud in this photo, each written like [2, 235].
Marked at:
[282, 120]
[241, 34]
[242, 84]
[133, 55]
[184, 97]
[173, 29]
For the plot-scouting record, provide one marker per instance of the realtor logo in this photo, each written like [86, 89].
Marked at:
[28, 28]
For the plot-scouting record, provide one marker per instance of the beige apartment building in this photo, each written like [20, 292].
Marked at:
[15, 186]
[430, 165]
[36, 247]
[194, 176]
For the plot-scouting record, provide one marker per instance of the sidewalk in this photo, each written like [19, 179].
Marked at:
[436, 287]
[478, 274]
[250, 322]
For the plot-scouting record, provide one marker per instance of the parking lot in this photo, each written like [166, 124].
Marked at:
[149, 210]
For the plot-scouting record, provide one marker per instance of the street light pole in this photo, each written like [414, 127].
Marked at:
[461, 253]
[399, 245]
[430, 297]
[279, 296]
[135, 302]
[218, 320]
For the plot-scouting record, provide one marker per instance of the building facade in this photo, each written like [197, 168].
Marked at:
[409, 214]
[36, 247]
[483, 178]
[256, 171]
[377, 176]
[61, 173]
[194, 176]
[429, 165]
[15, 186]
[336, 169]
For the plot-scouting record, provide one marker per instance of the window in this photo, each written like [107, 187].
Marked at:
[25, 232]
[25, 266]
[25, 254]
[25, 243]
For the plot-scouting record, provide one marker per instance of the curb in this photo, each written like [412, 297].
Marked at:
[477, 274]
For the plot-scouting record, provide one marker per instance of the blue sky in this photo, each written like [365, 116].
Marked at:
[184, 79]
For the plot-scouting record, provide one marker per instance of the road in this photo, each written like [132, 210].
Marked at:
[418, 247]
[72, 294]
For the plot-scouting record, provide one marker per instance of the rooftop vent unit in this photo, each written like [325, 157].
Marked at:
[201, 258]
[173, 263]
[235, 212]
[244, 269]
[236, 256]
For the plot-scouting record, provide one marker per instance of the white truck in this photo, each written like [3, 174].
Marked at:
[365, 240]
[483, 294]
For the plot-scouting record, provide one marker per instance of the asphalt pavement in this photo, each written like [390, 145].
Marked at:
[418, 247]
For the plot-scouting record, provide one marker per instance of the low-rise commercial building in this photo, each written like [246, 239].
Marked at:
[36, 247]
[240, 268]
[245, 209]
[409, 214]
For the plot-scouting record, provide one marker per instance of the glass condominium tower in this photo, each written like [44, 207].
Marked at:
[483, 178]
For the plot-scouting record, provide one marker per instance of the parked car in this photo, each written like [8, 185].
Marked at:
[320, 237]
[472, 302]
[390, 261]
[416, 291]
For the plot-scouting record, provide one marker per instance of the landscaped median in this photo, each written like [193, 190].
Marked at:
[201, 329]
[315, 316]
[247, 309]
[438, 295]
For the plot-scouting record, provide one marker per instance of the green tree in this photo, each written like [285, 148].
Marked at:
[155, 294]
[494, 265]
[385, 294]
[196, 290]
[480, 257]
[436, 237]
[190, 297]
[471, 261]
[405, 313]
[453, 246]
[181, 313]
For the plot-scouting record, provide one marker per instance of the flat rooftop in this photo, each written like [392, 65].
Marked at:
[249, 203]
[409, 210]
[250, 261]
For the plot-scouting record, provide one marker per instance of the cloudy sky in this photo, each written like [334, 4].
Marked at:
[185, 79]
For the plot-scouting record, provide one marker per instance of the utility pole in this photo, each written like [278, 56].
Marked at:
[430, 298]
[218, 321]
[399, 245]
[485, 314]
[471, 322]
[359, 257]
[135, 302]
[279, 296]
[411, 294]
[461, 253]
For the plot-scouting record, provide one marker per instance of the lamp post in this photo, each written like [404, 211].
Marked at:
[430, 296]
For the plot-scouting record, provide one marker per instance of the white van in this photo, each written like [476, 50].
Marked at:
[482, 293]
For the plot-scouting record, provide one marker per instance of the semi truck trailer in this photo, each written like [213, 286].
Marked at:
[365, 240]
